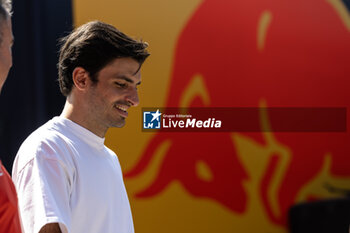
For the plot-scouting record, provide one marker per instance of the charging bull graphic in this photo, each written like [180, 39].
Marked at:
[259, 53]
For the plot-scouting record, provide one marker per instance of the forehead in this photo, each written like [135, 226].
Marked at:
[127, 67]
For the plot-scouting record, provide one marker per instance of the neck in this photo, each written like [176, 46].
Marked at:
[76, 113]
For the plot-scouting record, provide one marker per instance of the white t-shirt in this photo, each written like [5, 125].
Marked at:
[65, 174]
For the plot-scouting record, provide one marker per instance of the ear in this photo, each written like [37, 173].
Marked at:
[80, 78]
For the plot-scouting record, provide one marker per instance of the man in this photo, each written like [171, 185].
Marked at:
[6, 40]
[9, 218]
[67, 180]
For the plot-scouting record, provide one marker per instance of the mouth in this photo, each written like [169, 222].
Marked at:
[123, 111]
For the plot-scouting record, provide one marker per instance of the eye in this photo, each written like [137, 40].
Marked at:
[122, 85]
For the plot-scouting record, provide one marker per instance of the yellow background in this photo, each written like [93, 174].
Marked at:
[159, 22]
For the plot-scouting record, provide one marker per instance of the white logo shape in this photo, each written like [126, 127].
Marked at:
[156, 115]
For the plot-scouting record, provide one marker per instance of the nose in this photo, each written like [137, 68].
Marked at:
[133, 97]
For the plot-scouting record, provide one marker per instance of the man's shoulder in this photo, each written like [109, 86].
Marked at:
[113, 156]
[109, 151]
[45, 134]
[45, 142]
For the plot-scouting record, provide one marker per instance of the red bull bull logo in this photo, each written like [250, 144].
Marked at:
[261, 53]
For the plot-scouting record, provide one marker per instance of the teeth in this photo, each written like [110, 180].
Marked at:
[121, 108]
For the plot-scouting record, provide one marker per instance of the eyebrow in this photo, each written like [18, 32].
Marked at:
[127, 79]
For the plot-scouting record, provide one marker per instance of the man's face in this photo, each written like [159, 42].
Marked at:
[5, 49]
[115, 92]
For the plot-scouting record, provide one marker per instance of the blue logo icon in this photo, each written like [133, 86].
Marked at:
[151, 120]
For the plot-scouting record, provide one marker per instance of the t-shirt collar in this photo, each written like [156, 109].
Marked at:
[81, 132]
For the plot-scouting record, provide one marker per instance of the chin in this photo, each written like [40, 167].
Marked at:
[119, 124]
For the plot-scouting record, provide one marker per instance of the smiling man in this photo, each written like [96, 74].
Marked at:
[67, 179]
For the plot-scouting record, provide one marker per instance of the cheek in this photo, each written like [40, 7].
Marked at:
[10, 55]
[6, 56]
[116, 94]
[109, 97]
[9, 58]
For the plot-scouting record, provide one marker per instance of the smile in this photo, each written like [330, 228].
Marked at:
[121, 108]
[123, 111]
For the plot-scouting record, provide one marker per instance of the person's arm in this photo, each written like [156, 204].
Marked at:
[51, 228]
[43, 177]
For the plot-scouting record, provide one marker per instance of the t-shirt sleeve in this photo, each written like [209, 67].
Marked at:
[43, 187]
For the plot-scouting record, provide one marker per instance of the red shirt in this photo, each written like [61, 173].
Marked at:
[9, 217]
